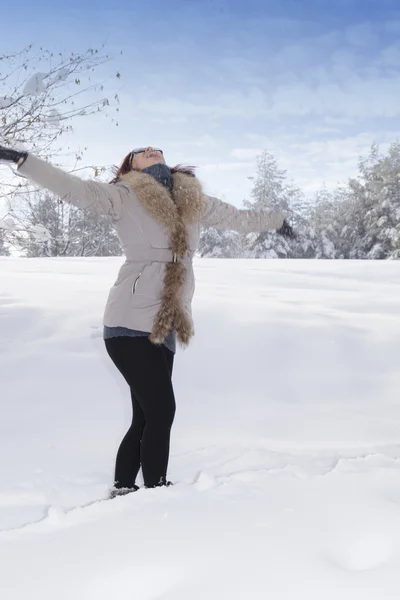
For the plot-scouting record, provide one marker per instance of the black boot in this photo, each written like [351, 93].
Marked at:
[122, 491]
[162, 483]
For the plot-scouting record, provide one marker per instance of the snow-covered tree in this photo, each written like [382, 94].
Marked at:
[267, 245]
[357, 220]
[93, 235]
[42, 92]
[71, 231]
[15, 233]
[273, 191]
[4, 249]
[41, 95]
[326, 227]
[375, 202]
[220, 244]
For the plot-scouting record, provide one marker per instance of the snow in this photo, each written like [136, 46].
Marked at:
[54, 118]
[285, 449]
[7, 224]
[35, 85]
[5, 102]
[61, 75]
[38, 233]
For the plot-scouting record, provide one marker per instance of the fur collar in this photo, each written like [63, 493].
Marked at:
[186, 203]
[175, 212]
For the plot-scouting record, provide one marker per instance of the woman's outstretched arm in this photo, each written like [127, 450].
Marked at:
[222, 215]
[101, 197]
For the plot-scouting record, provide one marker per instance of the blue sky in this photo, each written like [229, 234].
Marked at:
[216, 82]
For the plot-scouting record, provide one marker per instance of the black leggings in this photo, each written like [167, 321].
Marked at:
[147, 369]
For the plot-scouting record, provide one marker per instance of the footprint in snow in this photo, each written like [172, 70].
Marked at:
[14, 518]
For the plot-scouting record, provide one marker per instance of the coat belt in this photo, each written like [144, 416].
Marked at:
[161, 255]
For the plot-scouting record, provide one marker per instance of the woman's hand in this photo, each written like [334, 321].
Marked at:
[286, 230]
[10, 155]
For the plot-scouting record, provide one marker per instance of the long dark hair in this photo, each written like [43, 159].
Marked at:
[126, 166]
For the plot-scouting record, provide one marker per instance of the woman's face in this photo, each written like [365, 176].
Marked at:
[148, 157]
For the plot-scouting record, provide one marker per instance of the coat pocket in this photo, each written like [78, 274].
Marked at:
[136, 281]
[148, 283]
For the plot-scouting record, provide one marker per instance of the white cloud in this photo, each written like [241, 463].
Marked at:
[246, 153]
[337, 121]
[331, 74]
[203, 141]
[244, 103]
[354, 98]
[343, 94]
[232, 166]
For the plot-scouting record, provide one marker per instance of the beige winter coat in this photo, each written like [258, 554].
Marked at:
[159, 235]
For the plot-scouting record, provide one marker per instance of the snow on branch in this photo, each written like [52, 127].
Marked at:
[37, 105]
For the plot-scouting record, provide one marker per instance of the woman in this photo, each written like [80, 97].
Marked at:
[157, 213]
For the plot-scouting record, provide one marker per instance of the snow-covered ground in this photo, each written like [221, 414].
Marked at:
[285, 449]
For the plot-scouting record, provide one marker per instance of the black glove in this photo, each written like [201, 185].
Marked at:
[10, 155]
[286, 230]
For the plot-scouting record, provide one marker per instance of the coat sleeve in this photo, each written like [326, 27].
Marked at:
[102, 197]
[222, 215]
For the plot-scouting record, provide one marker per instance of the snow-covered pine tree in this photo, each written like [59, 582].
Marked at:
[375, 197]
[326, 224]
[273, 191]
[220, 244]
